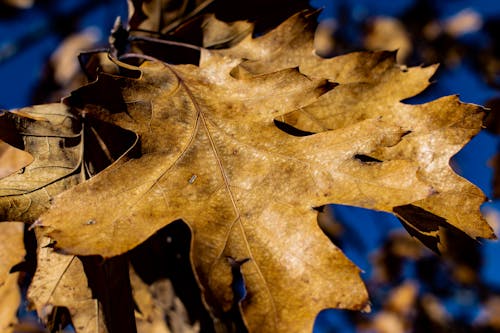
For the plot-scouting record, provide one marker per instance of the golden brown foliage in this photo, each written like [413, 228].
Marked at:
[11, 253]
[241, 147]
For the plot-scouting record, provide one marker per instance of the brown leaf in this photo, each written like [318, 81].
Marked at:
[435, 131]
[162, 15]
[66, 151]
[10, 299]
[12, 159]
[24, 196]
[12, 247]
[12, 252]
[217, 33]
[225, 169]
[60, 280]
[217, 151]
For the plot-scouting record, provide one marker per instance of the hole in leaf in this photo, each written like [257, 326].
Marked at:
[366, 159]
[406, 133]
[289, 129]
[239, 291]
[238, 284]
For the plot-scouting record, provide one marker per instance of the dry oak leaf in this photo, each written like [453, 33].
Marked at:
[12, 247]
[60, 280]
[217, 33]
[213, 157]
[64, 154]
[12, 159]
[372, 86]
[161, 16]
[10, 300]
[66, 150]
[12, 252]
[47, 133]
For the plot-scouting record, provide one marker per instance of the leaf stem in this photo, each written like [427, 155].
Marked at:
[140, 56]
[166, 42]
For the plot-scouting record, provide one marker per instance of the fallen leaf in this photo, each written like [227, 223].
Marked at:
[12, 252]
[218, 34]
[162, 15]
[60, 280]
[66, 150]
[12, 247]
[217, 152]
[24, 196]
[225, 169]
[12, 159]
[435, 131]
[10, 300]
